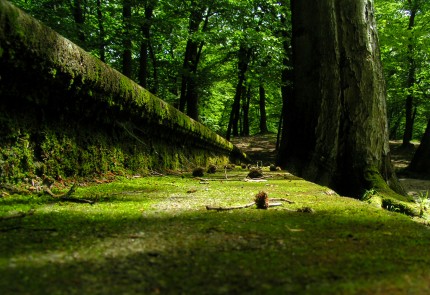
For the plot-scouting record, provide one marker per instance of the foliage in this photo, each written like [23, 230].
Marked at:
[401, 43]
[153, 235]
[230, 22]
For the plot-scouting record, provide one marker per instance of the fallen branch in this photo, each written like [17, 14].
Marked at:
[281, 200]
[239, 207]
[67, 196]
[18, 215]
[229, 208]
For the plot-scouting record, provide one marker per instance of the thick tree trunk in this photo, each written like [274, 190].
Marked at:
[127, 43]
[336, 123]
[262, 104]
[421, 161]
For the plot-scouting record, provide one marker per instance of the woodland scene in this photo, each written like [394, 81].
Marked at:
[214, 147]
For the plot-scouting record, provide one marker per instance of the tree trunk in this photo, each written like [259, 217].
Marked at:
[421, 160]
[243, 60]
[102, 33]
[336, 123]
[245, 111]
[263, 116]
[127, 43]
[144, 46]
[409, 104]
[189, 97]
[79, 17]
[286, 88]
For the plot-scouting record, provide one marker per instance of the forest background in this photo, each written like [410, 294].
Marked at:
[228, 63]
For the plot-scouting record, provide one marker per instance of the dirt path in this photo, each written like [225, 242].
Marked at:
[263, 148]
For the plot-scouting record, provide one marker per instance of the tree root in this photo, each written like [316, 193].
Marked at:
[67, 196]
[270, 204]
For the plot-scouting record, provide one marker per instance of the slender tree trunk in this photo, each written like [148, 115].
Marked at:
[336, 123]
[102, 33]
[262, 104]
[409, 104]
[127, 43]
[286, 90]
[79, 17]
[245, 112]
[144, 46]
[243, 60]
[421, 160]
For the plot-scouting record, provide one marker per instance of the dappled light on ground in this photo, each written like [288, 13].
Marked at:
[154, 235]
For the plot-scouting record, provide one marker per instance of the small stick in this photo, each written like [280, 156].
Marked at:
[239, 207]
[229, 208]
[281, 200]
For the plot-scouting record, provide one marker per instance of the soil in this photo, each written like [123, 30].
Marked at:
[262, 148]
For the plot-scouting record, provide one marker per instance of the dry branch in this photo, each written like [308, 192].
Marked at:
[67, 196]
[239, 207]
[229, 208]
[281, 200]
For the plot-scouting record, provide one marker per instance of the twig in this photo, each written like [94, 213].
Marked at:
[281, 200]
[230, 208]
[239, 207]
[67, 196]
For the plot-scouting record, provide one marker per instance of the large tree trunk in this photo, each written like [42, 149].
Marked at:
[421, 161]
[336, 123]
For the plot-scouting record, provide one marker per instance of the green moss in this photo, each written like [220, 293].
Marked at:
[386, 197]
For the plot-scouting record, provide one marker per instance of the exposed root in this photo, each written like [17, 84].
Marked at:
[67, 196]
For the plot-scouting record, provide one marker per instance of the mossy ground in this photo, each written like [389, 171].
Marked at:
[153, 235]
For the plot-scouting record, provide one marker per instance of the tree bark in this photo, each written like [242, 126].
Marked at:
[144, 46]
[336, 123]
[127, 43]
[243, 61]
[189, 96]
[245, 111]
[409, 103]
[102, 33]
[263, 115]
[421, 160]
[79, 17]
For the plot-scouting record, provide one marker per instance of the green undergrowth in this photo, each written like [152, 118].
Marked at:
[153, 235]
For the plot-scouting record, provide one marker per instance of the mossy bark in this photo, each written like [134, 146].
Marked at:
[336, 123]
[51, 88]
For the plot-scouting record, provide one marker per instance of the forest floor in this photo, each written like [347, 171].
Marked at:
[154, 235]
[262, 147]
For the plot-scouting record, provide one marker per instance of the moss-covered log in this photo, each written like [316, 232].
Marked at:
[64, 112]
